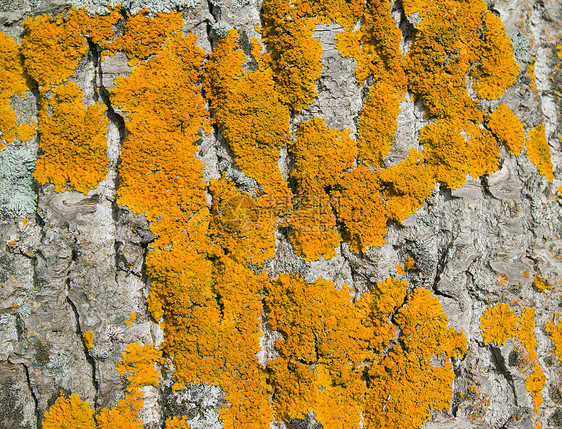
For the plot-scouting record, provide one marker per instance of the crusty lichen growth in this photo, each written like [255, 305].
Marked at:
[541, 284]
[507, 127]
[73, 141]
[69, 413]
[249, 112]
[498, 324]
[538, 151]
[12, 81]
[554, 330]
[144, 35]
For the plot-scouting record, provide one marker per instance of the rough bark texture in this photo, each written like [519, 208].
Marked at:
[77, 264]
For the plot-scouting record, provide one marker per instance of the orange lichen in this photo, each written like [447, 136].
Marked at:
[554, 330]
[531, 72]
[484, 153]
[446, 152]
[525, 333]
[145, 36]
[12, 81]
[507, 127]
[79, 134]
[409, 263]
[131, 319]
[88, 339]
[164, 112]
[535, 384]
[359, 207]
[295, 56]
[27, 132]
[137, 364]
[538, 151]
[69, 413]
[496, 71]
[541, 284]
[405, 384]
[405, 186]
[498, 324]
[177, 422]
[247, 108]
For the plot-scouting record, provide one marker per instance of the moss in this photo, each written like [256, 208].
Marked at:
[538, 151]
[78, 133]
[507, 127]
[498, 324]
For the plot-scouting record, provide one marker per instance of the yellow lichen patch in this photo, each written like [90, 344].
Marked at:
[177, 422]
[247, 108]
[507, 127]
[137, 364]
[405, 384]
[405, 186]
[244, 226]
[12, 81]
[124, 415]
[554, 330]
[88, 339]
[295, 55]
[484, 153]
[525, 333]
[131, 319]
[97, 28]
[409, 263]
[326, 352]
[69, 413]
[498, 324]
[538, 151]
[376, 48]
[541, 284]
[322, 155]
[360, 209]
[531, 72]
[446, 152]
[314, 232]
[164, 112]
[73, 141]
[535, 384]
[52, 49]
[497, 69]
[445, 46]
[27, 132]
[145, 36]
[377, 123]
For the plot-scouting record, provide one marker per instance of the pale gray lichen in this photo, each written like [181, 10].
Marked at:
[205, 400]
[102, 7]
[521, 48]
[18, 196]
[220, 29]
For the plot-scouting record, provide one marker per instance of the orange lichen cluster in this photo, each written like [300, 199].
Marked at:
[538, 151]
[247, 108]
[294, 55]
[177, 422]
[53, 48]
[317, 371]
[145, 36]
[554, 330]
[541, 284]
[498, 324]
[78, 133]
[73, 413]
[12, 81]
[507, 127]
[88, 338]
